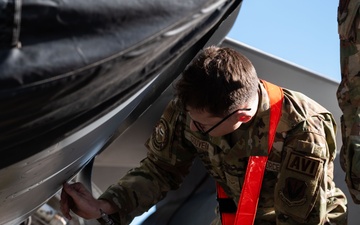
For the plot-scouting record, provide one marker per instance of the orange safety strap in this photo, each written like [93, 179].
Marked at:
[228, 217]
[249, 197]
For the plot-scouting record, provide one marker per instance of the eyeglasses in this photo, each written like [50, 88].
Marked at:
[202, 131]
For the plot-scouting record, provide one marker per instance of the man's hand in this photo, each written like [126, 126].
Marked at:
[77, 198]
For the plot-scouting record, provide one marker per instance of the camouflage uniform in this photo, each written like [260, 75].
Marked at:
[298, 183]
[348, 93]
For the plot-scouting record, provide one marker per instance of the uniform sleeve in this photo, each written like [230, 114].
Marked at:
[305, 182]
[348, 94]
[167, 163]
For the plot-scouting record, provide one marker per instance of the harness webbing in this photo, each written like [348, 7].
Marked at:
[249, 197]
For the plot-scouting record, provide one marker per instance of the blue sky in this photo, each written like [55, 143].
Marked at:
[301, 32]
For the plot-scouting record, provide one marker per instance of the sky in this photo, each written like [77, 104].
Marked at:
[301, 32]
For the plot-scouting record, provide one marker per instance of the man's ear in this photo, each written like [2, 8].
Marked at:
[244, 118]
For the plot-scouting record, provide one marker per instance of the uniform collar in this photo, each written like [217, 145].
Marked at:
[256, 129]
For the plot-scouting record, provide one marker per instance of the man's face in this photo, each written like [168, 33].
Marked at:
[206, 123]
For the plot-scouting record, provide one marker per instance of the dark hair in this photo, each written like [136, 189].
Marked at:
[217, 80]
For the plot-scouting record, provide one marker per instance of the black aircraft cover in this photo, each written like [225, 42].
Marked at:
[63, 63]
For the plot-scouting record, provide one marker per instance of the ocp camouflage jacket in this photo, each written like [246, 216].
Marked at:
[298, 185]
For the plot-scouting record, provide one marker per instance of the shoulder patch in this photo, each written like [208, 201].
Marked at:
[160, 136]
[303, 165]
[294, 192]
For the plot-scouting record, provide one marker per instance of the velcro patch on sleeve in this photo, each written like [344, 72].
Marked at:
[294, 191]
[298, 185]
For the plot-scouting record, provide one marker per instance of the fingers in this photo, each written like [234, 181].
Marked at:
[76, 190]
[65, 202]
[76, 198]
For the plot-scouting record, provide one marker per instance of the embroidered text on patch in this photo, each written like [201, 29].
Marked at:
[199, 143]
[303, 165]
[273, 166]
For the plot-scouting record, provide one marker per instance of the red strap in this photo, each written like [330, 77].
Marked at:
[249, 197]
[226, 217]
